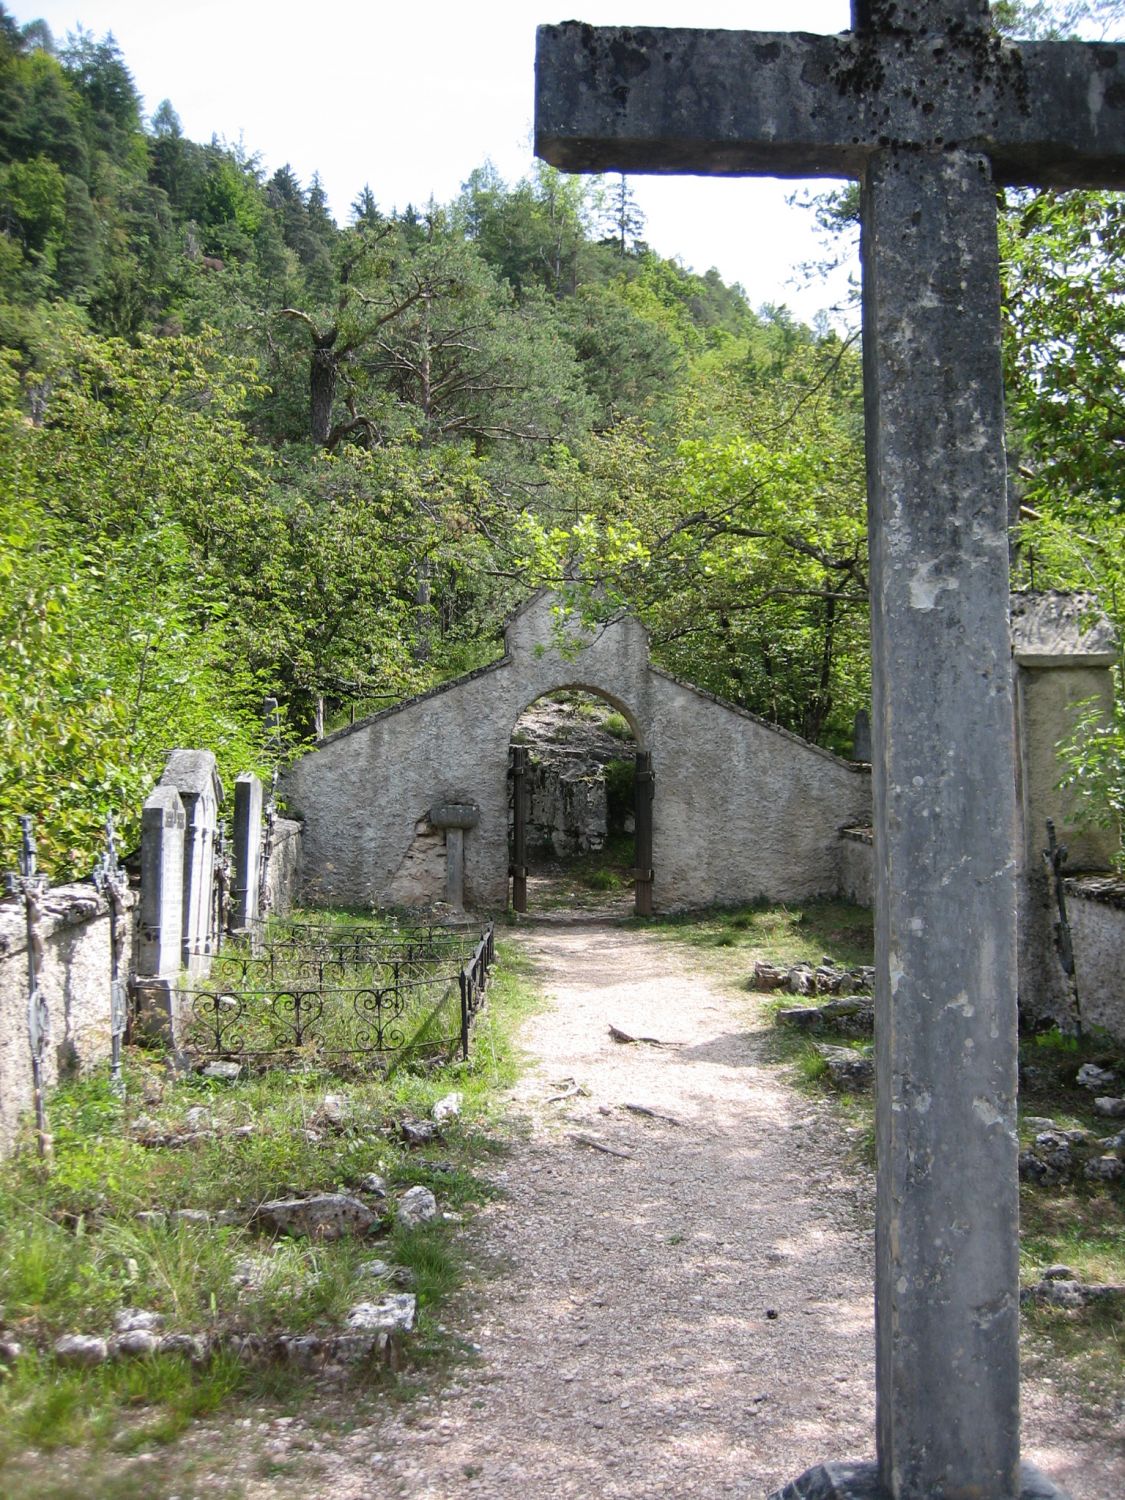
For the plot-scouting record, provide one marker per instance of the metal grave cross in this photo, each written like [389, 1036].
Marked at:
[931, 111]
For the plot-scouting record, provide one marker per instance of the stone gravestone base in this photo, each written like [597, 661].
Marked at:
[860, 1481]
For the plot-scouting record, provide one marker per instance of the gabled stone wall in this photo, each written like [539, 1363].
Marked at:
[742, 809]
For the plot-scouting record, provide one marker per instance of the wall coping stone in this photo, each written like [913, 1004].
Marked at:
[1108, 889]
[62, 906]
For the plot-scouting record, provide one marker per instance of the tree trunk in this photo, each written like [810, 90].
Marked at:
[323, 371]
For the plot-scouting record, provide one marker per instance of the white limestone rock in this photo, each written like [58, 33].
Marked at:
[416, 1206]
[391, 1314]
[328, 1216]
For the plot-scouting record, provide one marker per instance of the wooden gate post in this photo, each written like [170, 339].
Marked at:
[517, 869]
[643, 791]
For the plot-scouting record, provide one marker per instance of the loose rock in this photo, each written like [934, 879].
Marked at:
[447, 1108]
[1090, 1076]
[130, 1319]
[1114, 1109]
[848, 1070]
[328, 1216]
[416, 1206]
[391, 1314]
[133, 1345]
[81, 1349]
[226, 1072]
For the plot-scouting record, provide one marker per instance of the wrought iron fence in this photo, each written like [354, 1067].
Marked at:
[304, 989]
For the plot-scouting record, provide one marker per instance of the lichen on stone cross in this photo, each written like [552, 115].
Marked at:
[930, 111]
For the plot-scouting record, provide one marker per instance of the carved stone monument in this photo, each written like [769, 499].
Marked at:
[930, 111]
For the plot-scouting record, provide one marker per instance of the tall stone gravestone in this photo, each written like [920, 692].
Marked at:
[930, 112]
[194, 775]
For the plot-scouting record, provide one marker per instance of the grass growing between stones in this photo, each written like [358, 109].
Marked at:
[150, 1203]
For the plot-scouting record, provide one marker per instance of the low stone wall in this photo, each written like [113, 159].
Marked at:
[1096, 907]
[857, 866]
[283, 877]
[74, 978]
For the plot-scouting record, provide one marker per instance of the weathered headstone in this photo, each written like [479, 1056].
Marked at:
[247, 848]
[194, 776]
[930, 111]
[162, 883]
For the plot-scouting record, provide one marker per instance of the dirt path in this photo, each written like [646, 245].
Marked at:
[690, 1320]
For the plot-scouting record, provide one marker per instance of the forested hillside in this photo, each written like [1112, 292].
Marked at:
[247, 451]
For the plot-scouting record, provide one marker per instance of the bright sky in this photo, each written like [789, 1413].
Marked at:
[411, 98]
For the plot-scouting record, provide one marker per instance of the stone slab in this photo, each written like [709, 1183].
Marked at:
[860, 1481]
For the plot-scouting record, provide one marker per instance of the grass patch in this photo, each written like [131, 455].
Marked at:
[804, 933]
[74, 1251]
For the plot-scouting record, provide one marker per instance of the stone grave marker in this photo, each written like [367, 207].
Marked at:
[931, 112]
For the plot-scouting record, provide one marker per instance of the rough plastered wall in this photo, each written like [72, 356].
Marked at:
[283, 878]
[75, 980]
[741, 809]
[1096, 907]
[857, 866]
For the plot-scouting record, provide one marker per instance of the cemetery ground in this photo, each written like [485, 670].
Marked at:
[654, 1278]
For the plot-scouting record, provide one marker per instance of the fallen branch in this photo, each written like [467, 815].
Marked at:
[652, 1114]
[653, 1041]
[596, 1145]
[570, 1092]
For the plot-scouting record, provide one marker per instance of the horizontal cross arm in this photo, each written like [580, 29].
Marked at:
[741, 103]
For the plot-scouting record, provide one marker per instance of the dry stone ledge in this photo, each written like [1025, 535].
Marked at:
[848, 1070]
[328, 1216]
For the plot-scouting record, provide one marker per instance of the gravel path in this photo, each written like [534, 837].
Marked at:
[690, 1320]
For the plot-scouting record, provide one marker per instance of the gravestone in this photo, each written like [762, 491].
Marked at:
[195, 777]
[931, 112]
[247, 849]
[162, 883]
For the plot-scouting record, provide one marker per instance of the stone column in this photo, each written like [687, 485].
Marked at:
[247, 848]
[947, 1360]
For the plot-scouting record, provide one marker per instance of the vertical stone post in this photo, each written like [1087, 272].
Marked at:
[162, 889]
[947, 1366]
[643, 792]
[455, 817]
[193, 774]
[247, 848]
[519, 828]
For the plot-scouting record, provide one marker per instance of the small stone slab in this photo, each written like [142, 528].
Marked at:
[860, 1481]
[329, 1216]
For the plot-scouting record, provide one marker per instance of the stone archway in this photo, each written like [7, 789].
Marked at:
[572, 765]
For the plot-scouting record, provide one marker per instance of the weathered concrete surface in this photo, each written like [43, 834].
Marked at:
[742, 809]
[944, 779]
[653, 99]
[74, 977]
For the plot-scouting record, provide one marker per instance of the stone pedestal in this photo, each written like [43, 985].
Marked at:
[860, 1481]
[455, 817]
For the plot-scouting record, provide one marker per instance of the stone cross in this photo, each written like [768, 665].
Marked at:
[931, 112]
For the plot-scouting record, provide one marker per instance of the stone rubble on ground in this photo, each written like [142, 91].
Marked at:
[393, 1313]
[447, 1108]
[417, 1132]
[416, 1206]
[848, 1070]
[327, 1216]
[81, 1349]
[1113, 1109]
[1090, 1076]
[225, 1072]
[825, 978]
